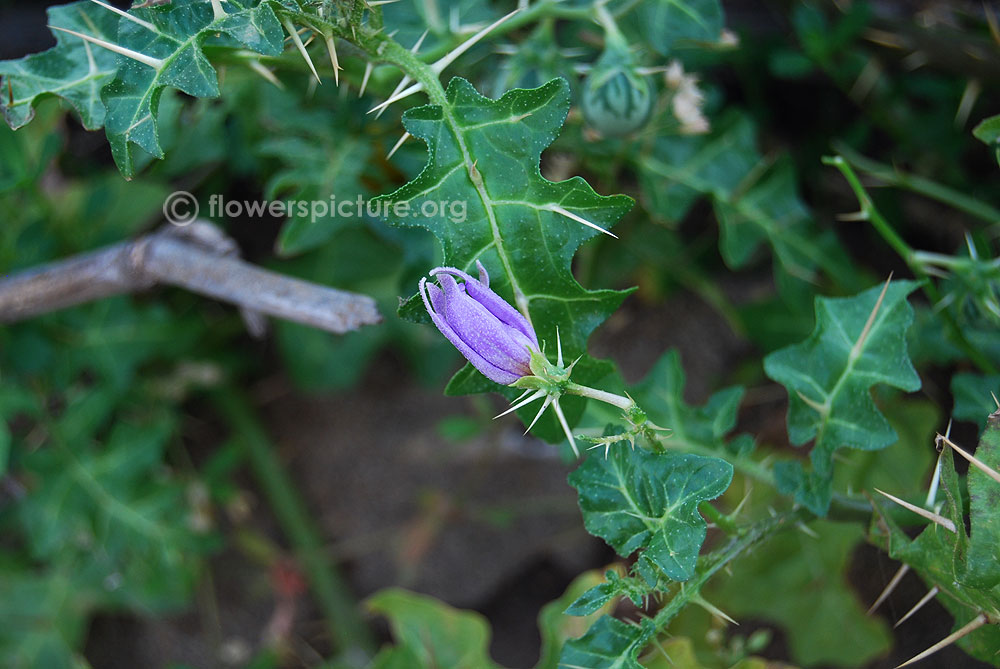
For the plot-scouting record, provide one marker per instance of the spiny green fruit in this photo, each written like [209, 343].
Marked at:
[617, 100]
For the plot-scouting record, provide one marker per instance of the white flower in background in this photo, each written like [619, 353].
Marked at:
[687, 101]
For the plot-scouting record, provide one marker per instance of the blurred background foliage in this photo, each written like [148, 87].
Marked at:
[118, 483]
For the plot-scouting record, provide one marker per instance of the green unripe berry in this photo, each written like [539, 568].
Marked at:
[617, 100]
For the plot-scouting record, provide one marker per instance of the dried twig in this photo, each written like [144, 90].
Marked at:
[197, 257]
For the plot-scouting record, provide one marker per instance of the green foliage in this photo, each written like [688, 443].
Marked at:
[963, 567]
[609, 644]
[318, 164]
[982, 563]
[484, 155]
[858, 342]
[664, 23]
[973, 398]
[72, 69]
[637, 500]
[904, 467]
[429, 633]
[557, 628]
[661, 395]
[97, 508]
[177, 40]
[120, 92]
[105, 524]
[988, 132]
[753, 201]
[613, 586]
[815, 600]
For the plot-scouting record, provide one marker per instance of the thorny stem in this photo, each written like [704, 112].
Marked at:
[544, 9]
[690, 590]
[871, 214]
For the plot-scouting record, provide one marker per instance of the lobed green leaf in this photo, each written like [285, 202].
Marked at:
[858, 342]
[72, 70]
[638, 500]
[753, 202]
[608, 644]
[179, 35]
[429, 633]
[941, 558]
[983, 558]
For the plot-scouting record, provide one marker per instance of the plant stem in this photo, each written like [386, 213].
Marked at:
[624, 403]
[712, 563]
[918, 184]
[871, 214]
[348, 631]
[720, 520]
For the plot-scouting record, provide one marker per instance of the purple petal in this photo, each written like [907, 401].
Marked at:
[498, 343]
[480, 292]
[488, 369]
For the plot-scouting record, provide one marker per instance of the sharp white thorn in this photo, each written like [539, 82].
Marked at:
[301, 47]
[565, 427]
[450, 57]
[154, 63]
[416, 47]
[746, 498]
[973, 460]
[545, 405]
[887, 590]
[806, 530]
[713, 609]
[398, 144]
[522, 395]
[399, 87]
[935, 481]
[970, 627]
[994, 396]
[379, 3]
[134, 19]
[929, 515]
[364, 79]
[919, 605]
[559, 355]
[646, 71]
[406, 93]
[568, 214]
[519, 403]
[331, 46]
[266, 73]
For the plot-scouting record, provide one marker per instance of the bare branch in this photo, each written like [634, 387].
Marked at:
[198, 258]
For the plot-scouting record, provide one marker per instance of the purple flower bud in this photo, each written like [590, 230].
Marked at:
[490, 333]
